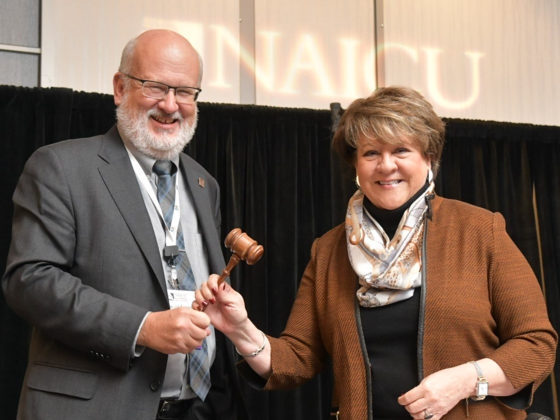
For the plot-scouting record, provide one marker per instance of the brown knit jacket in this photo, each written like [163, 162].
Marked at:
[482, 300]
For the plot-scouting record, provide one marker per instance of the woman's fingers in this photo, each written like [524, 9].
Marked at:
[437, 393]
[200, 303]
[427, 414]
[206, 294]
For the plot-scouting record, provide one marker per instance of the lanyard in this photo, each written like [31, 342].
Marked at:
[170, 231]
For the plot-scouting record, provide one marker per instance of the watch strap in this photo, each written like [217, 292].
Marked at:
[478, 370]
[480, 379]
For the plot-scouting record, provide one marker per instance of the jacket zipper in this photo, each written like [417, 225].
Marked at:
[365, 356]
[422, 314]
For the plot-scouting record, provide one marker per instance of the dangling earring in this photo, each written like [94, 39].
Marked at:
[358, 183]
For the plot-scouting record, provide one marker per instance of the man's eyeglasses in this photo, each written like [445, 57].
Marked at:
[158, 90]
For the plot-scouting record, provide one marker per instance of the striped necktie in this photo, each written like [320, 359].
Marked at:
[199, 365]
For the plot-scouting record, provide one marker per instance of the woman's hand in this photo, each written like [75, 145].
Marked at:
[224, 306]
[440, 392]
[227, 313]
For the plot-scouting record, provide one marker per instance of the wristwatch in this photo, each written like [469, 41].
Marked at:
[482, 384]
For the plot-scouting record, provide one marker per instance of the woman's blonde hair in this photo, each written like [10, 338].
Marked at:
[393, 115]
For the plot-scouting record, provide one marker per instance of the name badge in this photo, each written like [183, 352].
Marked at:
[180, 298]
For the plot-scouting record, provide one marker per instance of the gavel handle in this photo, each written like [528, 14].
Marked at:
[227, 271]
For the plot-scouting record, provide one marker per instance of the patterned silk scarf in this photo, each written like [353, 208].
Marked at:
[388, 269]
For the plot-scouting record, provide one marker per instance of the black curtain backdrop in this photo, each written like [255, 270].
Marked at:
[281, 184]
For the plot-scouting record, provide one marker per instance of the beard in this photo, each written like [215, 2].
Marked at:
[161, 144]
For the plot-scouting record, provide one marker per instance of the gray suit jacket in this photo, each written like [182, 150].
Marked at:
[83, 269]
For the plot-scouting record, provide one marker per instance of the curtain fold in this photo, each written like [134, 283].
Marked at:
[481, 165]
[281, 183]
[544, 157]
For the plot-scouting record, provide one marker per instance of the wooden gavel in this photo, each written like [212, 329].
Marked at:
[243, 248]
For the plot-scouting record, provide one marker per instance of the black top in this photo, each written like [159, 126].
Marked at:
[390, 219]
[391, 334]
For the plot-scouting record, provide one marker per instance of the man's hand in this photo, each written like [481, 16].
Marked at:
[178, 330]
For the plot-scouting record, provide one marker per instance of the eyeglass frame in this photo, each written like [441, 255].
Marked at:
[198, 90]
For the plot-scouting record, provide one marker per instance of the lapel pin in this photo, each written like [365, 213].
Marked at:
[201, 182]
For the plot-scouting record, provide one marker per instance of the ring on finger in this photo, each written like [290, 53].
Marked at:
[427, 415]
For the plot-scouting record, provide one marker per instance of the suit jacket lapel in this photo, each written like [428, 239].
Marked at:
[204, 213]
[120, 179]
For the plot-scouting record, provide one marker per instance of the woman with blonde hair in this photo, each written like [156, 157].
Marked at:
[425, 305]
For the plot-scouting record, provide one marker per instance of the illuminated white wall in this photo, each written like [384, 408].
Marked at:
[83, 40]
[305, 54]
[477, 59]
[312, 53]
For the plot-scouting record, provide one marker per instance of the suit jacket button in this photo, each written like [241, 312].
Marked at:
[154, 386]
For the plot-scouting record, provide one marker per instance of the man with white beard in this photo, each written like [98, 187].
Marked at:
[111, 237]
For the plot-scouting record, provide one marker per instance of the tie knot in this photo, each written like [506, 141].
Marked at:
[163, 167]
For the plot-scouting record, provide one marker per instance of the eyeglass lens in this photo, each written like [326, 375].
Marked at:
[158, 91]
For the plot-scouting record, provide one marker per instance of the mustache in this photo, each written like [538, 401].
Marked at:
[161, 114]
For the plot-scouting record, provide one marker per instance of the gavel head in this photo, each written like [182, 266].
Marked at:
[243, 246]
